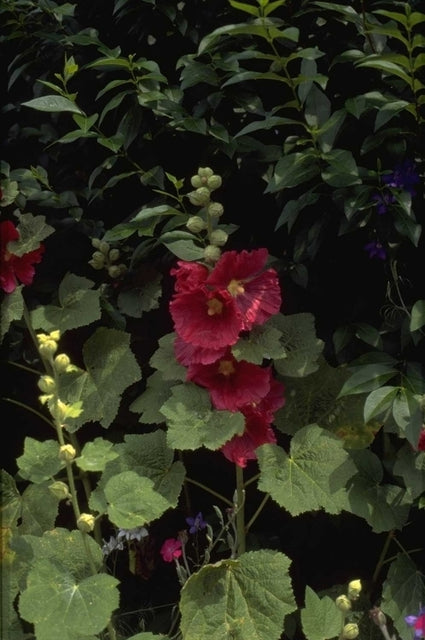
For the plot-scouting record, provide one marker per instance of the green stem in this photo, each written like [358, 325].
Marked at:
[28, 408]
[389, 538]
[240, 513]
[214, 493]
[257, 513]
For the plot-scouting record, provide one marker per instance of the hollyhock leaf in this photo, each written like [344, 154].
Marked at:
[320, 617]
[244, 599]
[39, 509]
[263, 342]
[11, 500]
[79, 306]
[133, 501]
[165, 361]
[311, 477]
[95, 455]
[149, 403]
[302, 346]
[12, 308]
[138, 300]
[59, 606]
[403, 591]
[383, 506]
[190, 428]
[410, 465]
[32, 231]
[146, 635]
[40, 460]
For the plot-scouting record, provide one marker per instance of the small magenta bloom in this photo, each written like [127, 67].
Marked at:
[196, 524]
[375, 250]
[171, 549]
[418, 623]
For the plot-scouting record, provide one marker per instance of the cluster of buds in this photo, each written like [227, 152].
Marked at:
[48, 343]
[106, 258]
[350, 630]
[204, 183]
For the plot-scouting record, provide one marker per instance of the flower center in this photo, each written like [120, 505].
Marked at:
[215, 307]
[226, 367]
[235, 288]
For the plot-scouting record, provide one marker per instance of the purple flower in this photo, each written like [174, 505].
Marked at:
[196, 524]
[383, 200]
[404, 177]
[375, 250]
[418, 623]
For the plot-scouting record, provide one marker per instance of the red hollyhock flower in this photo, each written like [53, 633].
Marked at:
[14, 269]
[187, 354]
[206, 318]
[231, 384]
[274, 400]
[242, 448]
[421, 441]
[256, 292]
[189, 276]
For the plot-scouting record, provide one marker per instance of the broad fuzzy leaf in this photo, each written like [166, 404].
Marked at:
[320, 618]
[40, 460]
[301, 345]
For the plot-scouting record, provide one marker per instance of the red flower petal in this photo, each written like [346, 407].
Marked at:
[15, 268]
[189, 275]
[231, 384]
[187, 354]
[242, 448]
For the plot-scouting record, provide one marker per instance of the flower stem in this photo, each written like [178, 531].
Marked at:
[257, 513]
[240, 513]
[214, 493]
[381, 559]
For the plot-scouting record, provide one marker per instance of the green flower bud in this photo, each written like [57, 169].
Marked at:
[195, 224]
[350, 631]
[354, 588]
[114, 255]
[218, 237]
[104, 247]
[196, 182]
[123, 268]
[61, 362]
[98, 257]
[85, 522]
[95, 242]
[96, 264]
[67, 452]
[215, 210]
[212, 253]
[343, 603]
[114, 271]
[214, 182]
[46, 384]
[200, 197]
[60, 490]
[205, 172]
[47, 344]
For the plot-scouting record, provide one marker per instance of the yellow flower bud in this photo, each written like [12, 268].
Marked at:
[195, 224]
[67, 452]
[60, 490]
[354, 588]
[46, 384]
[218, 237]
[61, 362]
[343, 603]
[85, 522]
[215, 209]
[212, 253]
[350, 631]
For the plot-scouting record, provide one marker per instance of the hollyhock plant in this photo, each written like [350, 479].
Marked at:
[256, 291]
[242, 448]
[187, 354]
[418, 623]
[171, 549]
[13, 268]
[232, 384]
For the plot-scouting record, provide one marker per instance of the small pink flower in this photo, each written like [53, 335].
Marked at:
[171, 549]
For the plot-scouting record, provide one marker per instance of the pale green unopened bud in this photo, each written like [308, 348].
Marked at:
[218, 237]
[354, 588]
[60, 411]
[215, 209]
[104, 247]
[196, 182]
[200, 197]
[60, 490]
[61, 362]
[214, 182]
[67, 452]
[47, 345]
[343, 603]
[195, 224]
[97, 264]
[114, 271]
[114, 255]
[95, 242]
[212, 253]
[46, 384]
[205, 172]
[123, 268]
[85, 522]
[98, 257]
[350, 631]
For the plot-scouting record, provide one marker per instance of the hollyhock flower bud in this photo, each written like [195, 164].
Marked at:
[85, 522]
[215, 210]
[343, 603]
[205, 172]
[200, 197]
[218, 237]
[61, 363]
[196, 182]
[195, 224]
[212, 253]
[354, 588]
[95, 242]
[60, 490]
[113, 255]
[350, 631]
[47, 345]
[214, 182]
[104, 247]
[46, 384]
[114, 271]
[67, 452]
